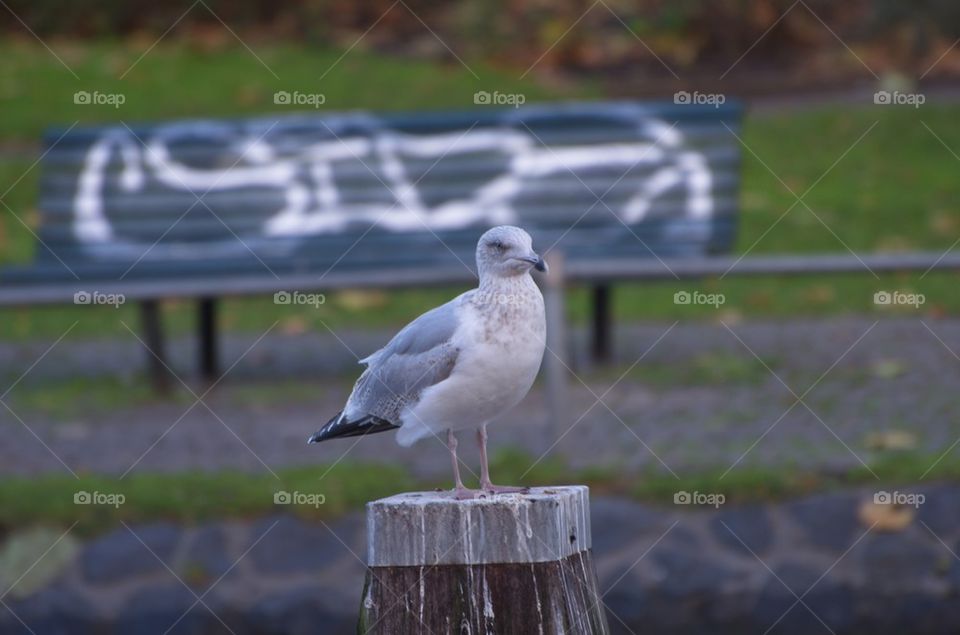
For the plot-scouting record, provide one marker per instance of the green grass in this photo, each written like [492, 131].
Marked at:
[708, 369]
[176, 80]
[193, 497]
[78, 396]
[196, 497]
[72, 398]
[180, 79]
[772, 297]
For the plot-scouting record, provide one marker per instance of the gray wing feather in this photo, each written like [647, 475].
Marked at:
[419, 356]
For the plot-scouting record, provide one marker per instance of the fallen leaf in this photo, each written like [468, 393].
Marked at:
[895, 244]
[888, 368]
[944, 222]
[819, 294]
[731, 317]
[889, 518]
[295, 325]
[30, 550]
[357, 300]
[891, 440]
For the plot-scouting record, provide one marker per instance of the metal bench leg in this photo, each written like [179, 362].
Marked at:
[156, 354]
[207, 333]
[601, 323]
[554, 359]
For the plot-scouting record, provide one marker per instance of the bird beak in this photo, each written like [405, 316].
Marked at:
[538, 263]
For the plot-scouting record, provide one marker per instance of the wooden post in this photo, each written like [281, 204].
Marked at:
[555, 357]
[510, 563]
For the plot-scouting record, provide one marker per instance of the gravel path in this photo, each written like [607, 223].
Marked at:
[699, 399]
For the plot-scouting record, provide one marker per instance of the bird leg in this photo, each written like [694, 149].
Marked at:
[485, 484]
[459, 491]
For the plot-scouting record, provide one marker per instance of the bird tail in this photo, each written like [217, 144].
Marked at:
[340, 426]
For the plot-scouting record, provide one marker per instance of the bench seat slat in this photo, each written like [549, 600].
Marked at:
[297, 194]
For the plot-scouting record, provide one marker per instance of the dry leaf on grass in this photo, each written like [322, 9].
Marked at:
[891, 518]
[891, 440]
[295, 325]
[888, 368]
[356, 300]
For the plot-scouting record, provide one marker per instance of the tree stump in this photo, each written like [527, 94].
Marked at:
[503, 564]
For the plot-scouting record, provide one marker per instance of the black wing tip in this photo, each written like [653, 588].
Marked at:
[324, 433]
[339, 427]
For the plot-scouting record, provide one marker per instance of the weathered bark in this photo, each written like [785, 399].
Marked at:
[512, 564]
[511, 598]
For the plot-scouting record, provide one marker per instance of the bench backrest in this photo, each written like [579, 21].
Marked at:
[356, 190]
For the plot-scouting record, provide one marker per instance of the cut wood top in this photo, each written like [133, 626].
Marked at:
[431, 528]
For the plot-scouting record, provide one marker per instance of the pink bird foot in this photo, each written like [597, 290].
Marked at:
[465, 494]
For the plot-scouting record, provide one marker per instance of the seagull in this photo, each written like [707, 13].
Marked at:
[459, 365]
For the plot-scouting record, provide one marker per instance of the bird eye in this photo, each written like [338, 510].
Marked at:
[497, 245]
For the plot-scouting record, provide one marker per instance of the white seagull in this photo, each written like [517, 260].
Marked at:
[460, 365]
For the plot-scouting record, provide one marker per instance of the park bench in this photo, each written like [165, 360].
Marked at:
[209, 208]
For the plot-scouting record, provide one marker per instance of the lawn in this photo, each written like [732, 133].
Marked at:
[195, 497]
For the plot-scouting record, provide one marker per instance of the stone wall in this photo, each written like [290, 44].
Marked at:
[831, 562]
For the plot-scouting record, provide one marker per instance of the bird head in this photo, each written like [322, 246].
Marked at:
[507, 251]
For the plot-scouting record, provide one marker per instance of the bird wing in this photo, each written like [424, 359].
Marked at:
[421, 355]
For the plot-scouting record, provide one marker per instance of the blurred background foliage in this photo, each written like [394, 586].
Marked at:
[679, 36]
[881, 179]
[179, 60]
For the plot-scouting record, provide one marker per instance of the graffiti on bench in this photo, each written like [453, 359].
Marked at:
[324, 180]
